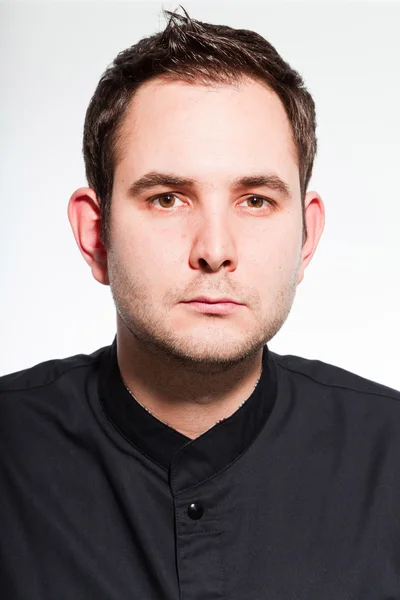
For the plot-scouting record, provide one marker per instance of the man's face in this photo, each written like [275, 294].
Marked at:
[211, 238]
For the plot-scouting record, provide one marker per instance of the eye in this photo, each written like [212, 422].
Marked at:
[165, 200]
[257, 201]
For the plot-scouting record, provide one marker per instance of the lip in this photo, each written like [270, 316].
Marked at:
[207, 300]
[215, 306]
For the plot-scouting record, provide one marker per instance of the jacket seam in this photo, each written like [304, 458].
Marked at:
[37, 387]
[341, 387]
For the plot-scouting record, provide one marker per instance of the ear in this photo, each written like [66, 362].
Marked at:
[85, 219]
[315, 222]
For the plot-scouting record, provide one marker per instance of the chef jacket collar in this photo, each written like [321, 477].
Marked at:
[191, 460]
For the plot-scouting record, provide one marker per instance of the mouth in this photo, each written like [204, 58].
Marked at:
[210, 300]
[216, 306]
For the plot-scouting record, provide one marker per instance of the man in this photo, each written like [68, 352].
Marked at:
[186, 460]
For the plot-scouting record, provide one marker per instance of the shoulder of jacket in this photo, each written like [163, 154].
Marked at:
[46, 373]
[328, 375]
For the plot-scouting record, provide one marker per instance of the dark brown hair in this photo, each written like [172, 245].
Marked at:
[197, 53]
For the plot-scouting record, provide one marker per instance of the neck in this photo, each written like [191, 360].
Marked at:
[188, 400]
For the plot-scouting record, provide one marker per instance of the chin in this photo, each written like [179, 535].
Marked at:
[223, 350]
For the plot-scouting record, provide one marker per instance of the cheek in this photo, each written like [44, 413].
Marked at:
[149, 258]
[275, 251]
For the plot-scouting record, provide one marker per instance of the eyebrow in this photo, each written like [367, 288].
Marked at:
[155, 178]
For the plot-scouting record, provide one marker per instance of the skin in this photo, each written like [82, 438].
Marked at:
[191, 369]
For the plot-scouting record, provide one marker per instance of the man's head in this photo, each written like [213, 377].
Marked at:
[231, 124]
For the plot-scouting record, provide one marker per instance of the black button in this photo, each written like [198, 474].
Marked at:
[195, 510]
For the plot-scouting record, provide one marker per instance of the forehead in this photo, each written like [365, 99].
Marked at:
[207, 131]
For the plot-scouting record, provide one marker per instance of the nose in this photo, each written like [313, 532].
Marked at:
[214, 245]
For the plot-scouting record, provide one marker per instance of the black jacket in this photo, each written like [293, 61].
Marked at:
[296, 496]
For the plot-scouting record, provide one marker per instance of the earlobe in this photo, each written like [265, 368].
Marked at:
[85, 220]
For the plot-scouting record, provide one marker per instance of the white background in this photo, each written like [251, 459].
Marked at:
[346, 311]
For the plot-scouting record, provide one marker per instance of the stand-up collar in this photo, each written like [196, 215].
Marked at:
[199, 458]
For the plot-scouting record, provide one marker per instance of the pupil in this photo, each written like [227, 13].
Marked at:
[166, 199]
